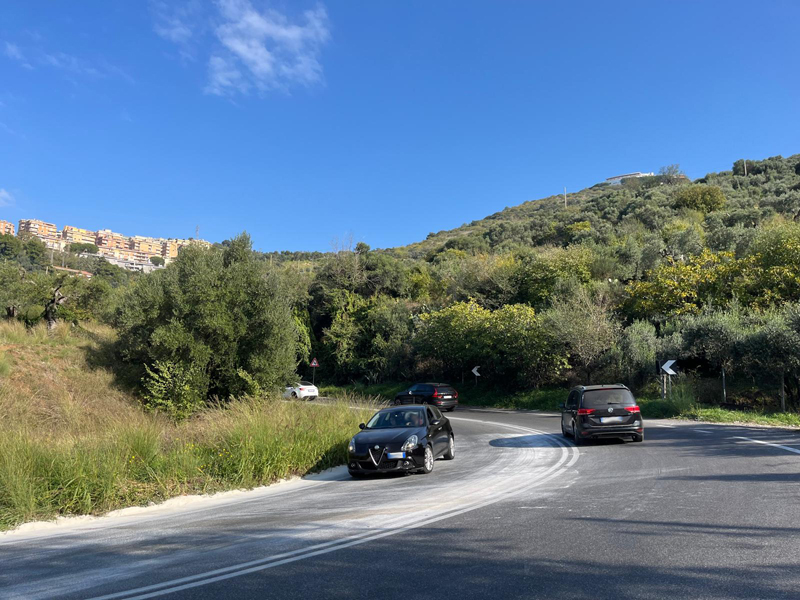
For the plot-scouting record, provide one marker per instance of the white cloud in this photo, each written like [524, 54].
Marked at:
[265, 50]
[13, 52]
[6, 199]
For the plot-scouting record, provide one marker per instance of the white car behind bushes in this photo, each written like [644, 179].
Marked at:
[305, 390]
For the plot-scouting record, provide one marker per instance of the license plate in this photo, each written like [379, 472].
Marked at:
[447, 397]
[612, 419]
[395, 455]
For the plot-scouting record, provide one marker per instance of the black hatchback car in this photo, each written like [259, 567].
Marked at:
[401, 439]
[601, 411]
[442, 395]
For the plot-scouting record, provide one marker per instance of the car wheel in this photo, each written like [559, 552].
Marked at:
[578, 441]
[564, 431]
[638, 438]
[312, 398]
[427, 461]
[397, 402]
[294, 394]
[451, 449]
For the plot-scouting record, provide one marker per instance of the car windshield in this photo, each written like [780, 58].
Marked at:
[601, 398]
[397, 417]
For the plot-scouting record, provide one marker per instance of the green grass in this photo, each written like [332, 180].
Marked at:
[254, 442]
[722, 415]
[73, 443]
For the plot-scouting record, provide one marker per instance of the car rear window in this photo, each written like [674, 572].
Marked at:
[601, 398]
[306, 383]
[445, 389]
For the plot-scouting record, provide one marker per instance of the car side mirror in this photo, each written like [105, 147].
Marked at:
[436, 421]
[361, 426]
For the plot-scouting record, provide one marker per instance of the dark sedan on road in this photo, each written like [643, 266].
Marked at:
[601, 411]
[444, 396]
[401, 439]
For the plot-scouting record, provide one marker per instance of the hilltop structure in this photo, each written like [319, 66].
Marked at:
[129, 252]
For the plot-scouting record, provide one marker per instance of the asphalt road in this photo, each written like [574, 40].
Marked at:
[696, 511]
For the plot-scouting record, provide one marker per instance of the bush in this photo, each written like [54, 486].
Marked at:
[705, 198]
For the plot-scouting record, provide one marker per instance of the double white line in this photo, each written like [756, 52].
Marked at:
[569, 455]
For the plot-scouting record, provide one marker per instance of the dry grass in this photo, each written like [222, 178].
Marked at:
[73, 442]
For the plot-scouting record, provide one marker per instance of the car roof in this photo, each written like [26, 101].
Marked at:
[432, 383]
[609, 386]
[403, 406]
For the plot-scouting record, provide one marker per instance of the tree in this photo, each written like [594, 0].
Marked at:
[671, 174]
[213, 320]
[157, 261]
[585, 327]
[10, 247]
[704, 198]
[78, 248]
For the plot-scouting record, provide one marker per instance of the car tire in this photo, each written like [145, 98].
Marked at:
[312, 398]
[564, 431]
[451, 449]
[576, 440]
[294, 394]
[397, 401]
[638, 438]
[427, 461]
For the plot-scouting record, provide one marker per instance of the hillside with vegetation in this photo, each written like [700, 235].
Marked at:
[120, 389]
[541, 294]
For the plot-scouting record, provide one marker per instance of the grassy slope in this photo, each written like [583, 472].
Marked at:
[682, 405]
[72, 442]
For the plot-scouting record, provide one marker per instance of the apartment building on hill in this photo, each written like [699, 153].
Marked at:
[76, 235]
[6, 228]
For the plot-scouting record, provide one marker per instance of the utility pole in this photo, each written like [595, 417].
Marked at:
[745, 167]
[565, 196]
[197, 232]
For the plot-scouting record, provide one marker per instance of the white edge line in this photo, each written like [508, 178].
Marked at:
[787, 448]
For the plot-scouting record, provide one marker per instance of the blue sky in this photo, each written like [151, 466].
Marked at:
[306, 122]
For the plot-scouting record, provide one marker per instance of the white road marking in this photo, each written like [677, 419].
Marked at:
[193, 581]
[703, 431]
[651, 424]
[787, 448]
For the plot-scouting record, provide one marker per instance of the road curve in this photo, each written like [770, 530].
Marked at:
[697, 511]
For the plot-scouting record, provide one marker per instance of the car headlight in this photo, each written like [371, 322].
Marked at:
[351, 447]
[410, 444]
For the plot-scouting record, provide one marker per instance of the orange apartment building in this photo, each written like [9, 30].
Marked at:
[76, 235]
[108, 239]
[47, 232]
[149, 246]
[37, 228]
[6, 228]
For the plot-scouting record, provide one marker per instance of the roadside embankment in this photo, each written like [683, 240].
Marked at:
[73, 442]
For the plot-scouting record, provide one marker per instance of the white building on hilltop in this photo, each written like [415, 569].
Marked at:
[617, 179]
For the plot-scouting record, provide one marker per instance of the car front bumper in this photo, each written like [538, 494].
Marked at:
[391, 462]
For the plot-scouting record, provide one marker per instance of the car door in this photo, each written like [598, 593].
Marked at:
[436, 431]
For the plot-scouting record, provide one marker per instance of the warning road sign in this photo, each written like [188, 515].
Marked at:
[314, 363]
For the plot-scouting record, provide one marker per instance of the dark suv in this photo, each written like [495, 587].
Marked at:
[601, 411]
[439, 394]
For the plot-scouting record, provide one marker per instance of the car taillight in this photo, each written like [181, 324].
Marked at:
[455, 395]
[435, 394]
[632, 409]
[585, 411]
[302, 389]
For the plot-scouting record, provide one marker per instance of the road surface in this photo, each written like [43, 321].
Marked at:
[696, 511]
